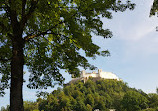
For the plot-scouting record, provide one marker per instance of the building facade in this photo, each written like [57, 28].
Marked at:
[100, 74]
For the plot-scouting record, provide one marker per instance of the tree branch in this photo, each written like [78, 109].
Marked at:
[25, 17]
[23, 8]
[26, 38]
[13, 16]
[48, 41]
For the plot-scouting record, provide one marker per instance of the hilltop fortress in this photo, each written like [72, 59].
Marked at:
[100, 74]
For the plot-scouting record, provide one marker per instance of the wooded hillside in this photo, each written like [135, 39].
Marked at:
[101, 94]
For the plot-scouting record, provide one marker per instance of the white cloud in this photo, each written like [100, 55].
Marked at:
[133, 25]
[136, 32]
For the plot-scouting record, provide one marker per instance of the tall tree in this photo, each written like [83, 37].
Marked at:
[46, 36]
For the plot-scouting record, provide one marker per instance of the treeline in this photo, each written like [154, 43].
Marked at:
[101, 94]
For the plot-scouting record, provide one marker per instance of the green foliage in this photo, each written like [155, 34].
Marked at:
[153, 98]
[89, 107]
[134, 101]
[90, 100]
[150, 109]
[102, 94]
[52, 33]
[30, 106]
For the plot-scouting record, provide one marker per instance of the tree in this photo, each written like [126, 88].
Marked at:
[5, 109]
[90, 100]
[89, 108]
[30, 106]
[47, 36]
[153, 100]
[134, 101]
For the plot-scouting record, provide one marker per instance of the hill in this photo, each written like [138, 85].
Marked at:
[95, 94]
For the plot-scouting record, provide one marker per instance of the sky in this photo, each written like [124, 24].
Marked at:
[133, 49]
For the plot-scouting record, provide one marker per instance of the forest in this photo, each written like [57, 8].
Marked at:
[94, 94]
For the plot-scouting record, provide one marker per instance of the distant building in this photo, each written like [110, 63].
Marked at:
[100, 74]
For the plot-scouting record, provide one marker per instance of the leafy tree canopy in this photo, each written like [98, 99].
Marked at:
[134, 101]
[47, 36]
[52, 33]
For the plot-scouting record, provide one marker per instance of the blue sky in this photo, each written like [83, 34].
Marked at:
[133, 48]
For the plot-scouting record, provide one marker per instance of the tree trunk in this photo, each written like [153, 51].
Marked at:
[17, 62]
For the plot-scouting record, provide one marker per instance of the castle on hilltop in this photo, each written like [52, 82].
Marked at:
[100, 74]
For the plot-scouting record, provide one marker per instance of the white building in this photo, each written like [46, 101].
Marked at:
[100, 74]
